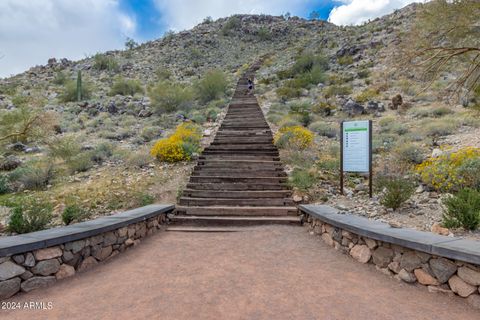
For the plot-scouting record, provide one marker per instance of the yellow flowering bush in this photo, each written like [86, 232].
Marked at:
[180, 145]
[294, 136]
[444, 173]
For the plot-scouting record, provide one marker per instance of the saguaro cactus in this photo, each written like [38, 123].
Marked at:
[79, 86]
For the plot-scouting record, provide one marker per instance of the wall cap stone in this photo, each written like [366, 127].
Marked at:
[47, 238]
[455, 248]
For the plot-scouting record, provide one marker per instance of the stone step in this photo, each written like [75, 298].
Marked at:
[212, 221]
[204, 229]
[252, 202]
[230, 179]
[241, 152]
[199, 171]
[238, 141]
[246, 164]
[243, 147]
[220, 157]
[237, 211]
[232, 186]
[237, 194]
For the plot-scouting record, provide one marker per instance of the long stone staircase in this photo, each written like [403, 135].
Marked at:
[239, 178]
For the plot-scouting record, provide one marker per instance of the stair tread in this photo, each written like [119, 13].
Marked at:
[239, 176]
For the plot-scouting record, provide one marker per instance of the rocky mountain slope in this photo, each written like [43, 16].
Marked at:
[108, 135]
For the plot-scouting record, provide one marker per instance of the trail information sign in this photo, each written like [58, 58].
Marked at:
[356, 145]
[356, 149]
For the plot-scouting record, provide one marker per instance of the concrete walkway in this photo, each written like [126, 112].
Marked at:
[271, 272]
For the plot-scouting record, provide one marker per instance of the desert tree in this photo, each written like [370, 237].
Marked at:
[27, 122]
[445, 37]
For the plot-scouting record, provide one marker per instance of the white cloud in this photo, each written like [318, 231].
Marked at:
[35, 30]
[184, 14]
[358, 11]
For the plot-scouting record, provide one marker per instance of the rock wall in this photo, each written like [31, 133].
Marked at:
[39, 268]
[438, 274]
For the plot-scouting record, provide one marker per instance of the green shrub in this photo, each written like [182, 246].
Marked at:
[469, 172]
[102, 152]
[150, 133]
[367, 95]
[74, 213]
[60, 78]
[409, 153]
[126, 87]
[139, 159]
[163, 74]
[36, 175]
[345, 60]
[64, 147]
[285, 93]
[462, 210]
[439, 128]
[104, 62]
[396, 190]
[391, 125]
[323, 108]
[336, 90]
[431, 112]
[170, 97]
[212, 86]
[384, 142]
[143, 199]
[264, 34]
[73, 87]
[441, 111]
[30, 216]
[302, 179]
[4, 184]
[232, 23]
[307, 62]
[324, 129]
[312, 77]
[80, 163]
[303, 112]
[363, 73]
[308, 70]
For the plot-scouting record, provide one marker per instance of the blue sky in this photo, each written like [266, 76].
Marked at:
[33, 31]
[151, 23]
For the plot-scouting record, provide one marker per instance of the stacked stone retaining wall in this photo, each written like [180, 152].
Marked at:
[39, 259]
[438, 273]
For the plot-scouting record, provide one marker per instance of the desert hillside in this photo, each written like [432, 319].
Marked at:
[120, 129]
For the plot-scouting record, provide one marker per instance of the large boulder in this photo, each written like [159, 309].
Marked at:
[9, 270]
[9, 287]
[352, 108]
[460, 287]
[410, 261]
[374, 107]
[10, 163]
[36, 283]
[443, 269]
[48, 253]
[361, 253]
[382, 256]
[46, 267]
[396, 102]
[470, 276]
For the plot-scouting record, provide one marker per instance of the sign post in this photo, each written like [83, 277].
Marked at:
[356, 149]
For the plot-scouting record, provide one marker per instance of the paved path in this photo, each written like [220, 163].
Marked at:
[272, 272]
